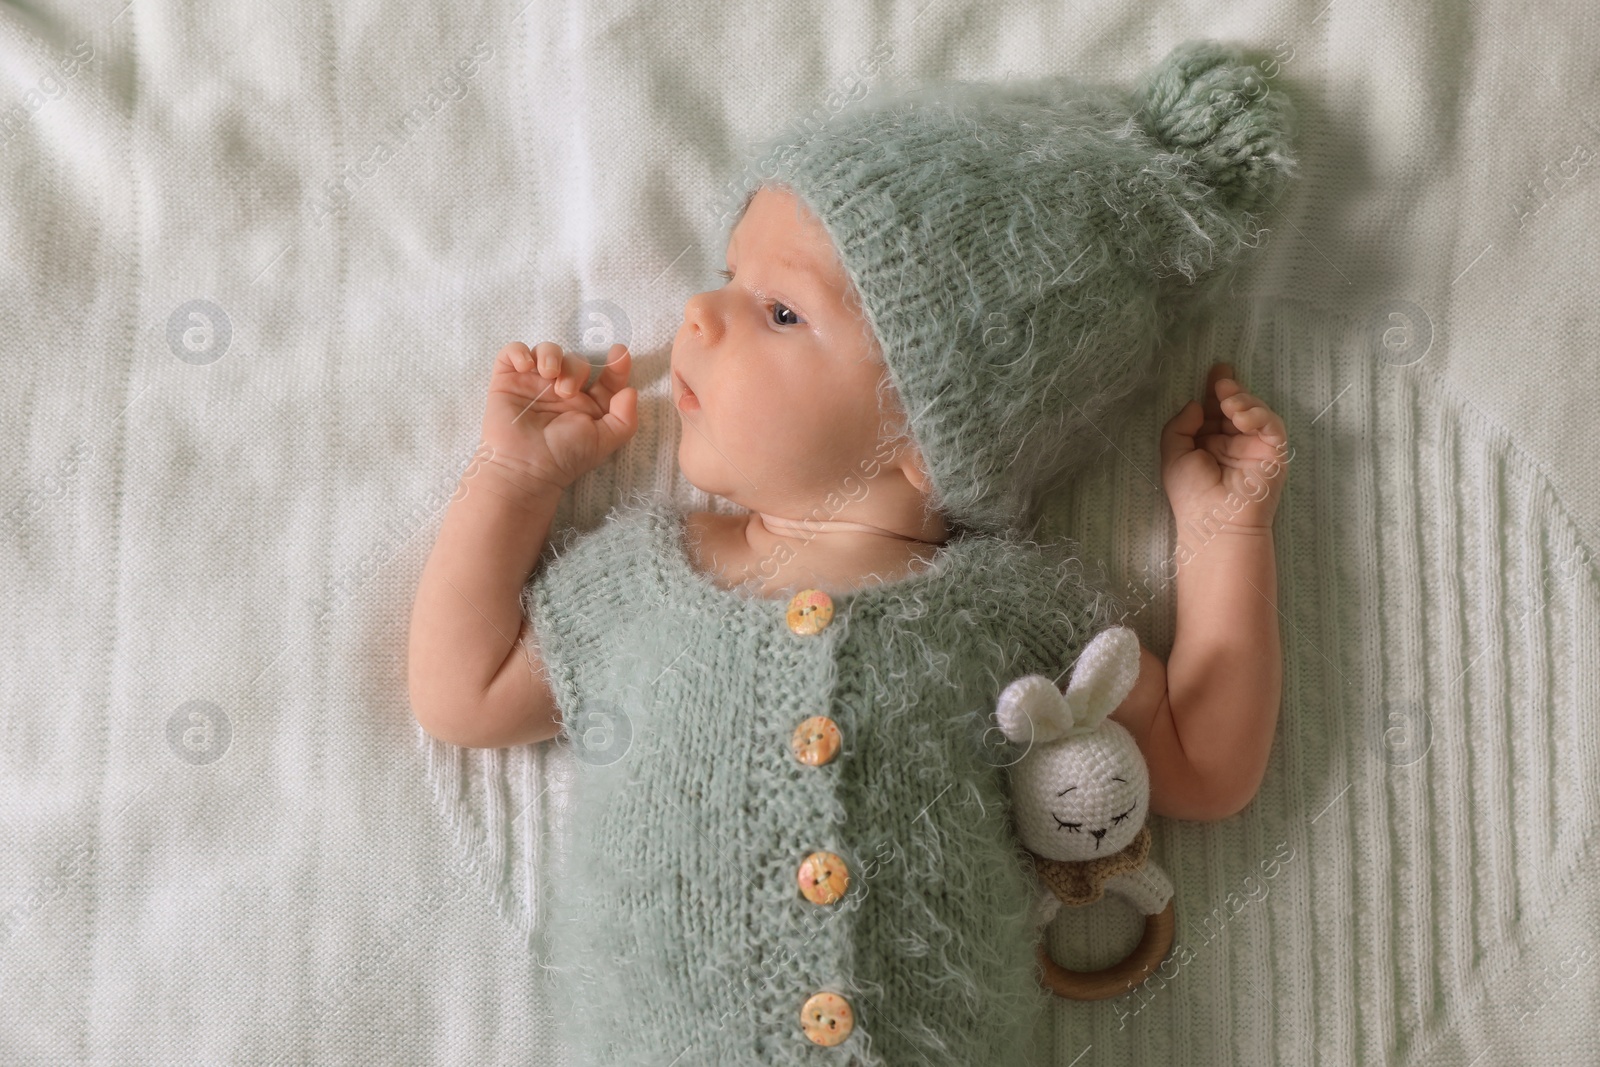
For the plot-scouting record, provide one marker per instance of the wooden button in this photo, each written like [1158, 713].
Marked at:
[823, 878]
[810, 611]
[826, 1018]
[815, 741]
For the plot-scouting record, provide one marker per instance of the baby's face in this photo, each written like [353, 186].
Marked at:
[776, 374]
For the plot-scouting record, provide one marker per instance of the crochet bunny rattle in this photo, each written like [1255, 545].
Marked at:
[1080, 794]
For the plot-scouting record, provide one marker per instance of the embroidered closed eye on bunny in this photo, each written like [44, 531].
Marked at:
[1080, 796]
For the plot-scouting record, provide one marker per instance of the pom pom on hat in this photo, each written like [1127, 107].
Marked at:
[1205, 105]
[1022, 248]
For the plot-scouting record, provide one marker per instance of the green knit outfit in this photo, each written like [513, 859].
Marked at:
[676, 925]
[1020, 250]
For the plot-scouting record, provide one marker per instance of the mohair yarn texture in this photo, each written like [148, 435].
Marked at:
[1022, 248]
[676, 930]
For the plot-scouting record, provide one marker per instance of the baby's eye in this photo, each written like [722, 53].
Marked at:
[1070, 827]
[1118, 818]
[787, 310]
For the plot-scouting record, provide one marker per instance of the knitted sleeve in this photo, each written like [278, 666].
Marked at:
[575, 600]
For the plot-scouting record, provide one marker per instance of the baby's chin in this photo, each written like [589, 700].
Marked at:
[687, 470]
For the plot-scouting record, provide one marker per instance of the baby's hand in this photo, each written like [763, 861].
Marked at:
[543, 425]
[1226, 461]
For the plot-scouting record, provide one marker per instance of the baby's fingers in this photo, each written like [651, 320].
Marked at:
[516, 356]
[1250, 415]
[618, 364]
[1177, 436]
[613, 376]
[619, 423]
[562, 371]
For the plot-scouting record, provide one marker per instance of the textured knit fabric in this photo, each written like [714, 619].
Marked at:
[1022, 248]
[676, 923]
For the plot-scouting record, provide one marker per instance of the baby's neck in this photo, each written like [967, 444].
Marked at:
[782, 526]
[737, 550]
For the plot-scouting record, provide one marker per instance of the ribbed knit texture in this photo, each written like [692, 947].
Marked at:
[1400, 890]
[676, 926]
[1021, 248]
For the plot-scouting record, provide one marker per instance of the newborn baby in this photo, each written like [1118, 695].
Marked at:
[799, 852]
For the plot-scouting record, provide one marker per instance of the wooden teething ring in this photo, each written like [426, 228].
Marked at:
[1119, 977]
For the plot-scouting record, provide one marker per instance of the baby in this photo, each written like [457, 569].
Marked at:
[700, 916]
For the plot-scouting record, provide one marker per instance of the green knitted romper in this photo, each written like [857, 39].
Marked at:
[677, 931]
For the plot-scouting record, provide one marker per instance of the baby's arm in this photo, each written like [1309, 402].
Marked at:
[1205, 720]
[473, 680]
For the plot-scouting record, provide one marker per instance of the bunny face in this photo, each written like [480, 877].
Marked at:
[1083, 797]
[1081, 789]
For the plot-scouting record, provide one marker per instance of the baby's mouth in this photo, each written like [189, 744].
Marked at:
[687, 401]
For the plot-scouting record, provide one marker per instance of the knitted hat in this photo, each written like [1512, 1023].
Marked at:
[1022, 248]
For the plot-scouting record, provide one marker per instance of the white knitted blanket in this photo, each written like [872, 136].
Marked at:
[257, 260]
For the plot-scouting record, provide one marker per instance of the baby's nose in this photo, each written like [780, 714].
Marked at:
[697, 317]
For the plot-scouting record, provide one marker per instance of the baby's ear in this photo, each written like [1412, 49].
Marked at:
[916, 471]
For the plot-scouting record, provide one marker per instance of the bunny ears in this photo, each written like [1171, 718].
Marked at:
[1033, 710]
